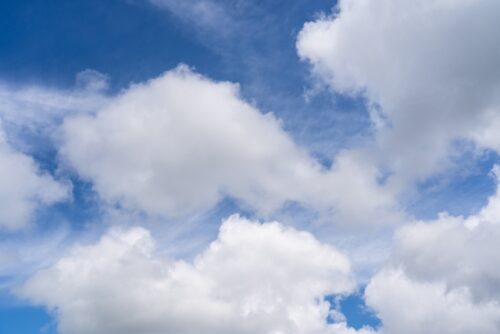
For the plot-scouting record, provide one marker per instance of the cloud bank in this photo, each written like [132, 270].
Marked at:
[429, 71]
[255, 278]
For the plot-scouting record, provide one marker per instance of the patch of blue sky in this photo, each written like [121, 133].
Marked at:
[353, 307]
[20, 318]
[49, 42]
[133, 41]
[79, 211]
[463, 190]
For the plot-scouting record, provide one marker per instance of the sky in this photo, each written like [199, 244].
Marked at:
[248, 166]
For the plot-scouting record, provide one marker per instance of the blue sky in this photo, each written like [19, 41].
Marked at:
[157, 121]
[134, 41]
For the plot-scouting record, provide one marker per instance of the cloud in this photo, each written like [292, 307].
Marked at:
[92, 80]
[444, 276]
[409, 306]
[205, 14]
[29, 116]
[39, 110]
[430, 67]
[255, 278]
[462, 250]
[218, 21]
[429, 73]
[24, 187]
[23, 254]
[180, 143]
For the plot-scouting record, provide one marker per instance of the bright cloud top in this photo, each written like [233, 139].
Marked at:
[431, 66]
[180, 143]
[255, 278]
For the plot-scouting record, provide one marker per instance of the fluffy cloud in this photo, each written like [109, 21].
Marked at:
[464, 251]
[431, 66]
[444, 276]
[409, 306]
[23, 187]
[181, 142]
[255, 278]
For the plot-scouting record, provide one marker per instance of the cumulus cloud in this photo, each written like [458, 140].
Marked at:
[430, 67]
[410, 306]
[463, 250]
[429, 71]
[255, 278]
[443, 277]
[180, 143]
[24, 187]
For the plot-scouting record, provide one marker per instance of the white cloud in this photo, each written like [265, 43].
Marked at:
[444, 276]
[255, 278]
[463, 251]
[39, 108]
[24, 187]
[180, 143]
[432, 67]
[352, 188]
[486, 134]
[409, 306]
[34, 112]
